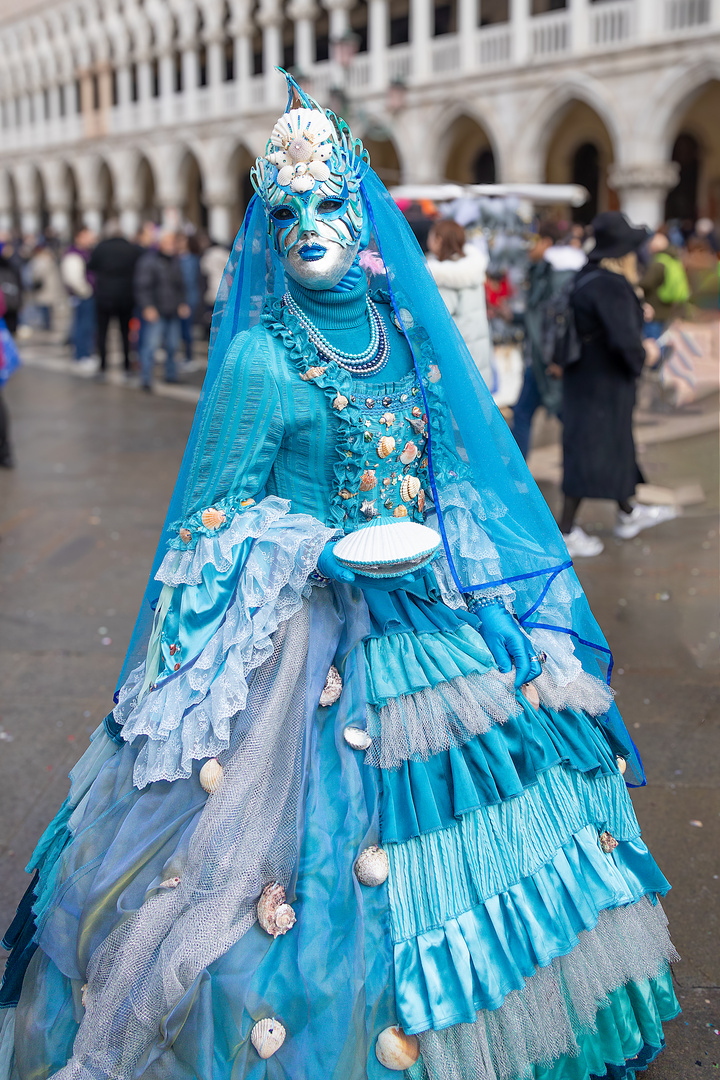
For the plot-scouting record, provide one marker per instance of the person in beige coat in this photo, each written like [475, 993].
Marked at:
[49, 294]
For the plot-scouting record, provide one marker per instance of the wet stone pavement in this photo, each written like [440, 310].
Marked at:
[79, 522]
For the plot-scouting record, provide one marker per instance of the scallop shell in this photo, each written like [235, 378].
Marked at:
[434, 373]
[409, 488]
[185, 536]
[340, 402]
[368, 480]
[400, 512]
[274, 915]
[267, 1037]
[421, 501]
[530, 692]
[372, 867]
[332, 689]
[396, 1050]
[387, 548]
[607, 842]
[385, 446]
[409, 453]
[212, 518]
[621, 764]
[357, 738]
[211, 775]
[313, 373]
[387, 418]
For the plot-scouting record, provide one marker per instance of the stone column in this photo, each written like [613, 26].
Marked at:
[270, 18]
[144, 78]
[580, 26]
[219, 218]
[378, 39]
[190, 68]
[520, 27]
[642, 188]
[647, 23]
[27, 197]
[215, 60]
[58, 197]
[467, 29]
[421, 30]
[122, 76]
[303, 13]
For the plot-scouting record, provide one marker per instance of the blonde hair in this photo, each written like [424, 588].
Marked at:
[626, 266]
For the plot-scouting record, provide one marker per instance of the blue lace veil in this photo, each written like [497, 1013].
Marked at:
[533, 559]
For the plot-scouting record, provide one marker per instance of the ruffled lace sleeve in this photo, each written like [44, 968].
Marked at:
[222, 601]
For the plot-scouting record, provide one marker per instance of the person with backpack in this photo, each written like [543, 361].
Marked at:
[553, 268]
[664, 284]
[599, 387]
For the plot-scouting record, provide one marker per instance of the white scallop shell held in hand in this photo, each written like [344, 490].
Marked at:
[396, 1050]
[267, 1037]
[211, 775]
[387, 548]
[274, 915]
[332, 689]
[372, 867]
[357, 738]
[530, 694]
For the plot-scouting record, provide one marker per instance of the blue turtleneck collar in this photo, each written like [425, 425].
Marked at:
[340, 308]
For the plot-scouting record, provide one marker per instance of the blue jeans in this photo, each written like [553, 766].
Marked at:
[186, 326]
[165, 332]
[84, 328]
[527, 405]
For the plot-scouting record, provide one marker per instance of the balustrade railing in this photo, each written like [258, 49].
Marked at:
[686, 14]
[612, 24]
[493, 45]
[446, 56]
[400, 65]
[551, 35]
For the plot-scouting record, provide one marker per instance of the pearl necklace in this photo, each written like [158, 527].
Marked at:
[368, 362]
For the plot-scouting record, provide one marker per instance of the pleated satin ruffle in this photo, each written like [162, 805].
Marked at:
[405, 663]
[499, 764]
[624, 1034]
[445, 975]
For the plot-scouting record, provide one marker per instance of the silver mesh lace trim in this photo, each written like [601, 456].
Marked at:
[246, 837]
[537, 1025]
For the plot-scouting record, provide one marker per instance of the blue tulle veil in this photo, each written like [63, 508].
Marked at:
[533, 559]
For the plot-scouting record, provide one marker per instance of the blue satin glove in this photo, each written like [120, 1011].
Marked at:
[508, 644]
[330, 567]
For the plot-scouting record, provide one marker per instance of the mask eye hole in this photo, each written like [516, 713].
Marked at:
[283, 214]
[330, 206]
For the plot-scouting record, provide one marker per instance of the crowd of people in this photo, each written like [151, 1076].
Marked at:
[159, 288]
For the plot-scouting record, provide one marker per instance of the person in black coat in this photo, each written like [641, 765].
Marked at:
[160, 295]
[599, 389]
[113, 263]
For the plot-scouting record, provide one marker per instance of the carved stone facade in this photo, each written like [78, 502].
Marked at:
[156, 108]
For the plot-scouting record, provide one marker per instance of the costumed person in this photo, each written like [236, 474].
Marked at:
[599, 388]
[458, 269]
[358, 810]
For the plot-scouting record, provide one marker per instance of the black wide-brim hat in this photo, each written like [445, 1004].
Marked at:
[615, 236]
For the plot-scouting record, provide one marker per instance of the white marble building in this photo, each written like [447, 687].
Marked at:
[155, 108]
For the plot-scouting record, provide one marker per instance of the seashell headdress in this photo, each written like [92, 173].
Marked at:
[309, 150]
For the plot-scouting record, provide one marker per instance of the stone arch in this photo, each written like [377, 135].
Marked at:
[384, 155]
[468, 151]
[580, 149]
[675, 93]
[106, 188]
[193, 208]
[239, 166]
[9, 210]
[696, 149]
[146, 190]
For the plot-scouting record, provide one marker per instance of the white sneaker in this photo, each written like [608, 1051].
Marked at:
[642, 517]
[579, 543]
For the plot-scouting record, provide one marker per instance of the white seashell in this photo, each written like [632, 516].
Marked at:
[434, 373]
[313, 373]
[340, 402]
[621, 764]
[530, 692]
[169, 883]
[332, 689]
[274, 915]
[409, 488]
[396, 1050]
[267, 1037]
[185, 536]
[319, 170]
[409, 453]
[385, 446]
[368, 480]
[387, 418]
[211, 775]
[357, 738]
[400, 512]
[372, 867]
[387, 548]
[84, 995]
[301, 183]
